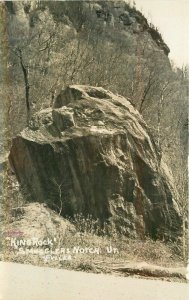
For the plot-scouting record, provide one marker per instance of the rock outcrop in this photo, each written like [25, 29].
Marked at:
[36, 221]
[92, 153]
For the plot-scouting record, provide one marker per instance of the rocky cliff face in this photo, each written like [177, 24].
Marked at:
[117, 19]
[117, 16]
[92, 153]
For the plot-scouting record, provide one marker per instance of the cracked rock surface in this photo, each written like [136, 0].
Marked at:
[92, 153]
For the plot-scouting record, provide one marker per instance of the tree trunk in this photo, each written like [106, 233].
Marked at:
[26, 84]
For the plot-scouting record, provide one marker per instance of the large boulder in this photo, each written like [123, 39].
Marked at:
[92, 153]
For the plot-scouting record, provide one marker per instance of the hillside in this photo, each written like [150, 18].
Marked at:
[49, 45]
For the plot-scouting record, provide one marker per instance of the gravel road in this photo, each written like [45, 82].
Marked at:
[26, 282]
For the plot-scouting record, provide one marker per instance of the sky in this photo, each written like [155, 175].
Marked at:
[172, 19]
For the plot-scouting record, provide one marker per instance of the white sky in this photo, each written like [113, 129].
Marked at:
[172, 19]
